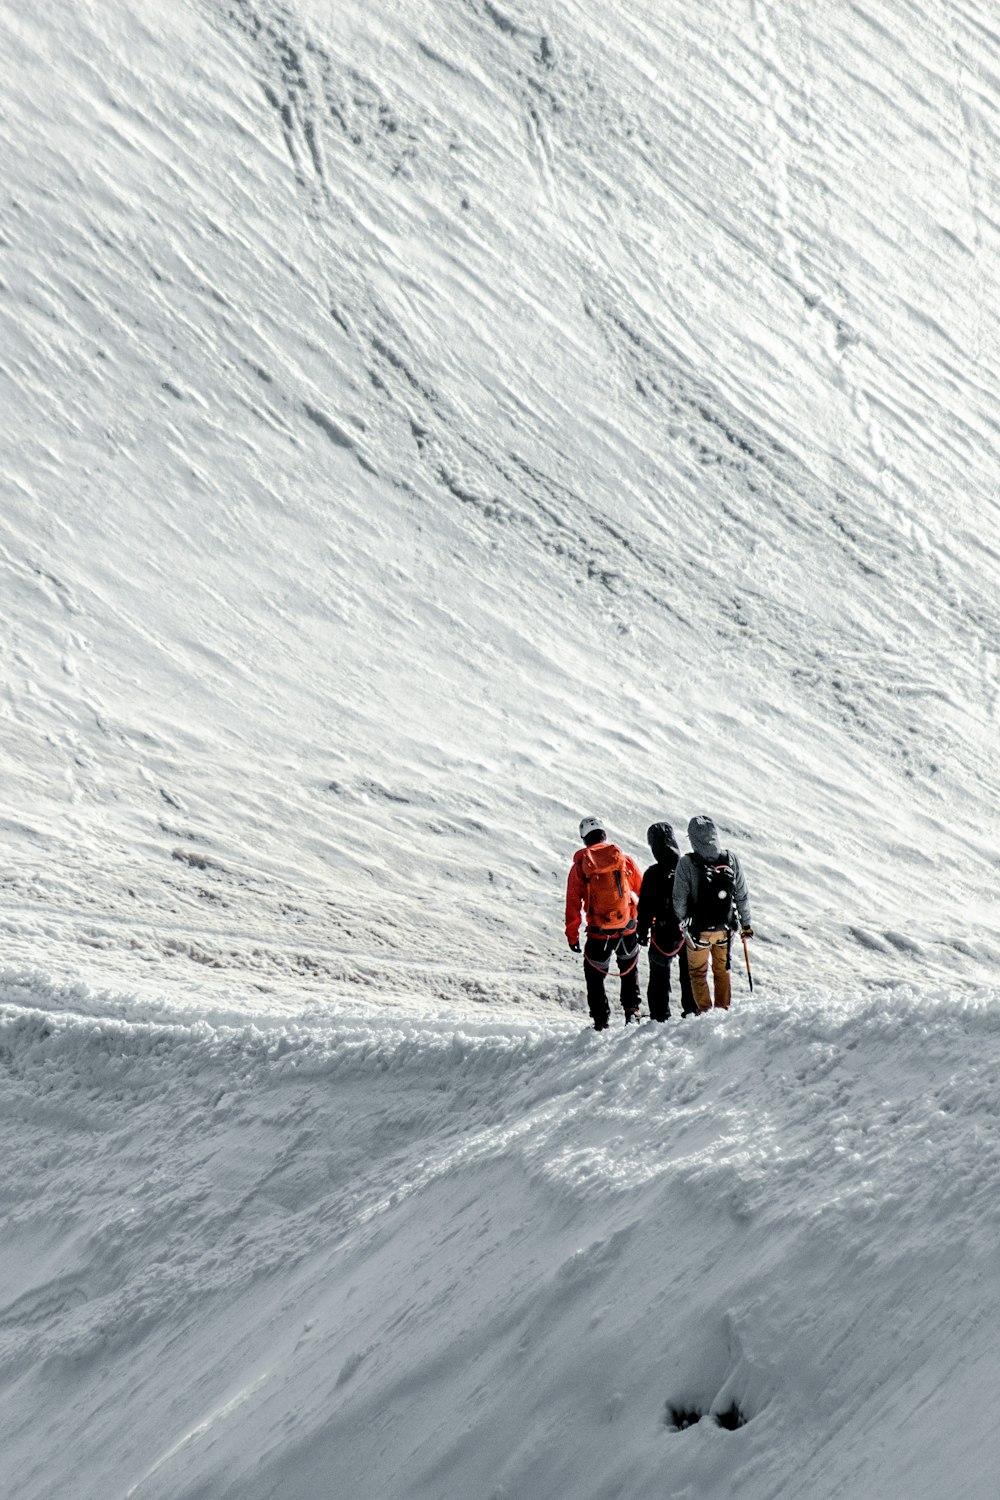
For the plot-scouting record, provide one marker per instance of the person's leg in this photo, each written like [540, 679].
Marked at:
[596, 962]
[666, 969]
[698, 973]
[720, 970]
[628, 968]
[688, 1006]
[658, 989]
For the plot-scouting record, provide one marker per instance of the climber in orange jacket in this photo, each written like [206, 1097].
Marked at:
[605, 884]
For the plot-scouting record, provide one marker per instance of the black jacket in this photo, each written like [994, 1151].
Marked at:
[656, 910]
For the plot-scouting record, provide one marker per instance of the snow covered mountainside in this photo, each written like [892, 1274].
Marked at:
[425, 423]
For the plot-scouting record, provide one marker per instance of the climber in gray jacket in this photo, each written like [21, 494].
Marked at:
[710, 896]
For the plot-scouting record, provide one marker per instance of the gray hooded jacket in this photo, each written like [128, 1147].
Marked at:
[705, 841]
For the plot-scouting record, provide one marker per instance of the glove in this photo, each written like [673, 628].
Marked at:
[746, 931]
[642, 938]
[574, 947]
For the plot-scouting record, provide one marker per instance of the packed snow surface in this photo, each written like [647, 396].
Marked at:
[426, 423]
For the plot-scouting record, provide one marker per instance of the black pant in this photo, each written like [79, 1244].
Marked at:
[597, 953]
[658, 989]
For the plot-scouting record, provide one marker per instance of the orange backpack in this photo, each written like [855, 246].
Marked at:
[609, 894]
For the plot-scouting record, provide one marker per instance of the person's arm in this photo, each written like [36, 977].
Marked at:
[574, 901]
[740, 892]
[634, 877]
[645, 913]
[682, 888]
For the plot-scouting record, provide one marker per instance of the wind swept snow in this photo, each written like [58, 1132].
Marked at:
[409, 1257]
[425, 424]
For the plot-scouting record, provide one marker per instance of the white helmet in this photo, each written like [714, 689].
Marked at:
[590, 825]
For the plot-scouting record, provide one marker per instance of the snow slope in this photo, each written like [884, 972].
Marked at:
[426, 423]
[403, 1257]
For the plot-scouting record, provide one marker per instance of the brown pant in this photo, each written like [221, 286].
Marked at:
[716, 944]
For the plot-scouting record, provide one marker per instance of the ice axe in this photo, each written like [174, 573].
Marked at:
[750, 978]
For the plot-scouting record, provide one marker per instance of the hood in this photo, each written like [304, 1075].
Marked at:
[663, 843]
[703, 836]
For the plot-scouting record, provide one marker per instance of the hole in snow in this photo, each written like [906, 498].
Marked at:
[678, 1416]
[731, 1418]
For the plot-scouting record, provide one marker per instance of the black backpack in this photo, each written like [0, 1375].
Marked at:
[715, 895]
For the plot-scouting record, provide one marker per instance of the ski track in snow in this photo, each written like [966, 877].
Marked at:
[423, 427]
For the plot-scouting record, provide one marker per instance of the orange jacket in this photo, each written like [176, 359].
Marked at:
[576, 891]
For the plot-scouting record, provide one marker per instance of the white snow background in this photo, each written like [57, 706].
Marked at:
[424, 423]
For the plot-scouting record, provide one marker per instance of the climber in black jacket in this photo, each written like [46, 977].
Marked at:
[658, 925]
